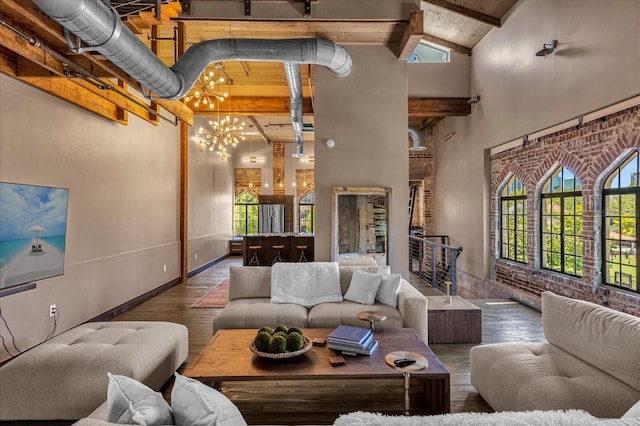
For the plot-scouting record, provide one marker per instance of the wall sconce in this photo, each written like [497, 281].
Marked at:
[447, 137]
[253, 159]
[547, 49]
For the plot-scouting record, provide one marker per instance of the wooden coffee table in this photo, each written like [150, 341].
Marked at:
[307, 389]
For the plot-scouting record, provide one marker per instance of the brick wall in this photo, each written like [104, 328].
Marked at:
[588, 151]
[247, 179]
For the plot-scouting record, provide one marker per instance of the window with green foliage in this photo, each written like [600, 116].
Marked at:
[513, 221]
[306, 206]
[621, 195]
[561, 222]
[245, 214]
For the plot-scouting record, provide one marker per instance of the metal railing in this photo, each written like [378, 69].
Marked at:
[434, 260]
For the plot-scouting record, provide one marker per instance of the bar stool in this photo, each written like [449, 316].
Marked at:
[302, 257]
[254, 259]
[278, 258]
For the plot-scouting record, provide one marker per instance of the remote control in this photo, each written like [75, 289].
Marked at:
[404, 362]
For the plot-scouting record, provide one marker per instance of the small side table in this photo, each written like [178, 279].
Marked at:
[420, 364]
[372, 317]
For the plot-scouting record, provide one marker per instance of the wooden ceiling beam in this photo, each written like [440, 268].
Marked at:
[252, 105]
[469, 13]
[412, 34]
[51, 30]
[429, 122]
[53, 65]
[259, 129]
[438, 107]
[444, 43]
[67, 91]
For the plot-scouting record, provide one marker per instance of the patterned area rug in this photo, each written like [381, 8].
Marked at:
[218, 297]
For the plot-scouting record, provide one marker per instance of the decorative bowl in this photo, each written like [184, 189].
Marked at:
[283, 355]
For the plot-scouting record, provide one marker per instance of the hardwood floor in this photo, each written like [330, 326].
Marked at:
[502, 321]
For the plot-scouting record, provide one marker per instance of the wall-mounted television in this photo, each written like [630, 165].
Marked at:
[33, 231]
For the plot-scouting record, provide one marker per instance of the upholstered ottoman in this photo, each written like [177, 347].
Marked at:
[65, 378]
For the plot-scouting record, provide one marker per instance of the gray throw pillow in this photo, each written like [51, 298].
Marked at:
[389, 289]
[131, 402]
[196, 404]
[363, 287]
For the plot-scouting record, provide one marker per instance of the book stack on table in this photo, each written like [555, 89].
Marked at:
[352, 340]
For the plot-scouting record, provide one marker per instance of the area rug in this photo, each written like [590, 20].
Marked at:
[505, 418]
[217, 297]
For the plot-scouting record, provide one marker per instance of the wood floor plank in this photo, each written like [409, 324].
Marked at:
[502, 321]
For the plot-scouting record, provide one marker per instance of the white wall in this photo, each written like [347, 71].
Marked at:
[365, 113]
[595, 64]
[210, 218]
[441, 80]
[122, 214]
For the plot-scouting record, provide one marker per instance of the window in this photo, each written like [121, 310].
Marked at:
[306, 206]
[428, 52]
[620, 198]
[513, 224]
[245, 214]
[561, 222]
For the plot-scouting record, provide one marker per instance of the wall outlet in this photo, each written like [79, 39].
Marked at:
[226, 245]
[196, 256]
[52, 311]
[164, 268]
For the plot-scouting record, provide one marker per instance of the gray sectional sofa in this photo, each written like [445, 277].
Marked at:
[250, 304]
[591, 362]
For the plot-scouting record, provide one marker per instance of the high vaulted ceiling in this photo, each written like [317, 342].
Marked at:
[259, 92]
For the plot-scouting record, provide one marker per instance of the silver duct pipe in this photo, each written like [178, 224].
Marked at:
[416, 137]
[294, 79]
[100, 28]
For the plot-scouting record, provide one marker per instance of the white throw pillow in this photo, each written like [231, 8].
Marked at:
[306, 284]
[131, 402]
[633, 412]
[363, 287]
[389, 289]
[196, 404]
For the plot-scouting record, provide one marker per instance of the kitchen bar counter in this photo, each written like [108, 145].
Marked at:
[266, 254]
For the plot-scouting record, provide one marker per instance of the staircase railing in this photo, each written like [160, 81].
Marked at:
[434, 260]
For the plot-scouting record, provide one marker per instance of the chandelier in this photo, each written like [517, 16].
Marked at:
[206, 90]
[223, 133]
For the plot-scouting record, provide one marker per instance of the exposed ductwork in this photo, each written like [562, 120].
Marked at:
[101, 29]
[416, 137]
[295, 90]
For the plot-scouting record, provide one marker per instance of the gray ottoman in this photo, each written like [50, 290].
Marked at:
[65, 378]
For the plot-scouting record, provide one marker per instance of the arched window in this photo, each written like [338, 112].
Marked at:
[306, 206]
[245, 214]
[513, 223]
[561, 223]
[621, 198]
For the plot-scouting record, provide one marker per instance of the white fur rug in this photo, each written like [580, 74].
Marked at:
[522, 418]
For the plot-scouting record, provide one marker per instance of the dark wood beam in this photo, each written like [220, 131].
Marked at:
[445, 43]
[438, 107]
[429, 122]
[412, 35]
[259, 129]
[184, 201]
[469, 13]
[250, 105]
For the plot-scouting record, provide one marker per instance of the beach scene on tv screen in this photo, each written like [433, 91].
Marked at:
[33, 227]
